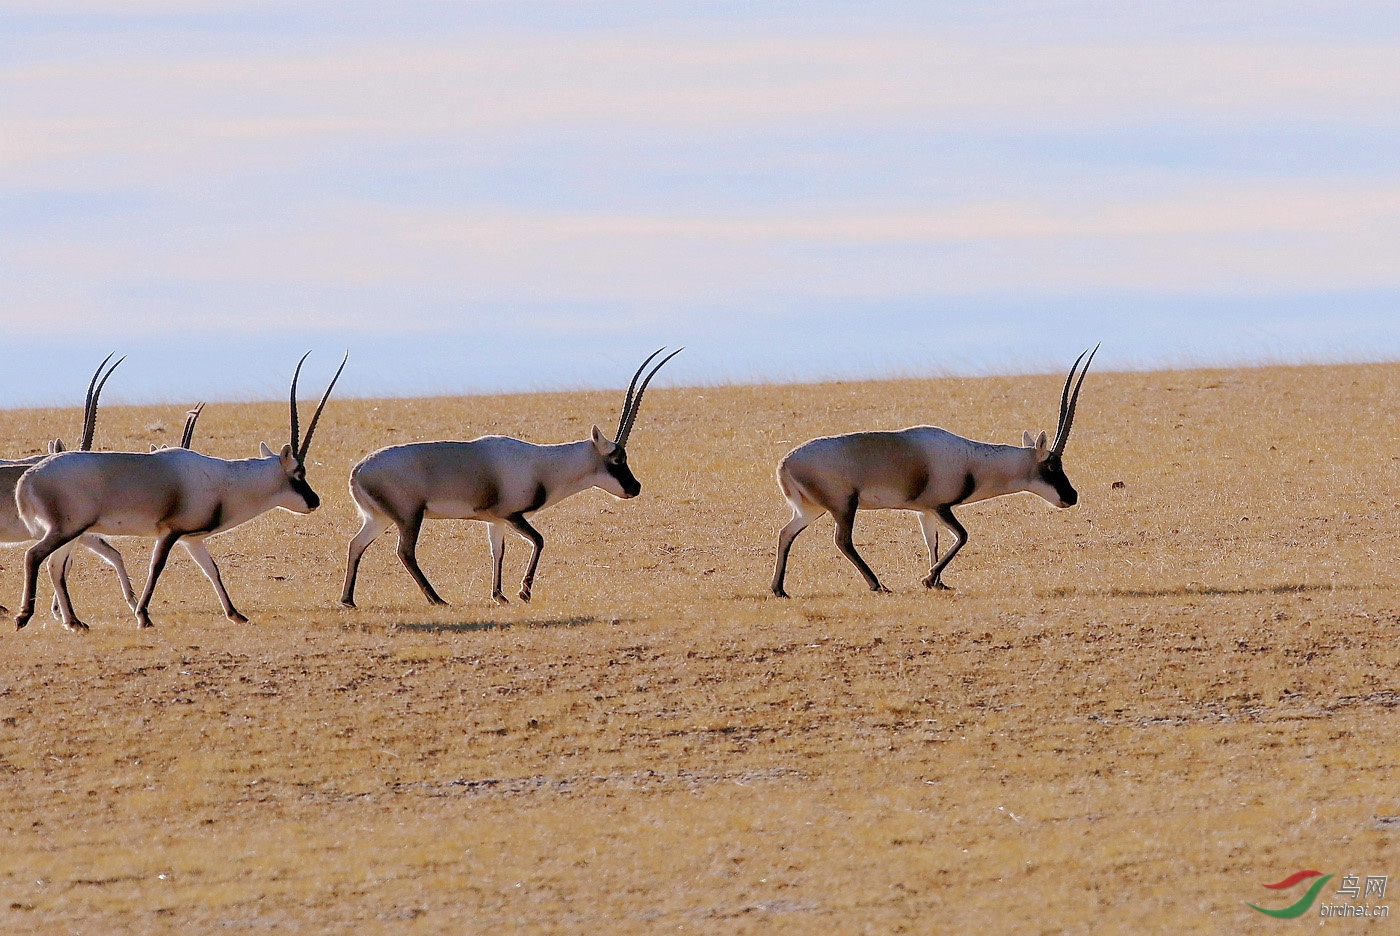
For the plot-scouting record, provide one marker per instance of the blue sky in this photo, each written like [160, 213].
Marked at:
[479, 196]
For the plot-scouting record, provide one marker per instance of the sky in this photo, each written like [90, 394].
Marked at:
[476, 196]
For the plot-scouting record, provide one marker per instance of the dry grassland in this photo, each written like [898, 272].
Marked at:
[1127, 717]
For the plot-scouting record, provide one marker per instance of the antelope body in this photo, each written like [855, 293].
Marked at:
[495, 479]
[924, 469]
[174, 495]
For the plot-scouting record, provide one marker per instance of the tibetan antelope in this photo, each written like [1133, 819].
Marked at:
[174, 495]
[924, 469]
[498, 480]
[91, 540]
[13, 529]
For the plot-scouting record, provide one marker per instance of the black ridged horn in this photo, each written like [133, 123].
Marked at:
[191, 418]
[299, 445]
[1068, 400]
[99, 380]
[632, 404]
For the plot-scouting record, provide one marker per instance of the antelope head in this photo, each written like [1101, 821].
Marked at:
[1048, 478]
[296, 495]
[616, 478]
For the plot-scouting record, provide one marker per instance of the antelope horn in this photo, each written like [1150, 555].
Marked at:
[316, 417]
[1068, 401]
[630, 416]
[296, 426]
[99, 380]
[191, 418]
[627, 400]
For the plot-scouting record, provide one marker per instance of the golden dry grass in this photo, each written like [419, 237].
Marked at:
[1127, 717]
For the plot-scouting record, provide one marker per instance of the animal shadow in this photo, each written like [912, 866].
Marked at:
[467, 627]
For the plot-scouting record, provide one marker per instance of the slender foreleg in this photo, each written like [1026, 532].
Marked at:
[845, 526]
[108, 554]
[34, 557]
[523, 527]
[408, 554]
[200, 554]
[159, 554]
[374, 524]
[935, 574]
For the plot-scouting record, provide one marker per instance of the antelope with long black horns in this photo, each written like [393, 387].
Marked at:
[175, 495]
[496, 479]
[924, 469]
[13, 529]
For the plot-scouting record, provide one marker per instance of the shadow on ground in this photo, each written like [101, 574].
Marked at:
[466, 627]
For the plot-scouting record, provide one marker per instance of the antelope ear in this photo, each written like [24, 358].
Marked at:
[602, 443]
[1042, 446]
[1027, 441]
[154, 447]
[56, 446]
[264, 451]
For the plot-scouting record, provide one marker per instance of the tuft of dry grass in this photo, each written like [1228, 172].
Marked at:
[1127, 717]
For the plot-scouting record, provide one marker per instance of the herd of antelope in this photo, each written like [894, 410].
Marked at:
[64, 498]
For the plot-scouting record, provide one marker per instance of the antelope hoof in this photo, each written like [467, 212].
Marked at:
[237, 618]
[500, 599]
[347, 602]
[144, 622]
[21, 620]
[779, 593]
[880, 589]
[936, 583]
[76, 626]
[524, 594]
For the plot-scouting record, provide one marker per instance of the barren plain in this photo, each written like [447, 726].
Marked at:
[1127, 717]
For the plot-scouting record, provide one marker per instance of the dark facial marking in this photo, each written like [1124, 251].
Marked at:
[1052, 472]
[297, 481]
[616, 464]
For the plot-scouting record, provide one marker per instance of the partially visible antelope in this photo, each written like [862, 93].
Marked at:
[187, 436]
[496, 479]
[924, 469]
[13, 529]
[94, 391]
[174, 495]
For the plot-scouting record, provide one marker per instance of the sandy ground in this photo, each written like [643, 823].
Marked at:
[1127, 717]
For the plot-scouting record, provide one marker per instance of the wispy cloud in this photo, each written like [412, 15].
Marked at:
[129, 120]
[206, 166]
